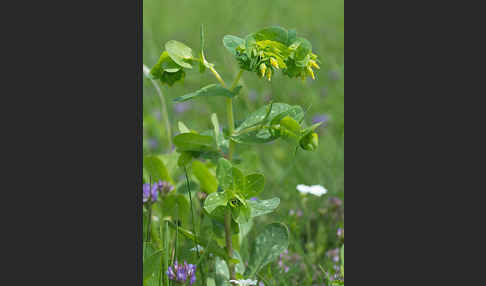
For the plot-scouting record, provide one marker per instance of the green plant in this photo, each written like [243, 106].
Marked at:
[231, 201]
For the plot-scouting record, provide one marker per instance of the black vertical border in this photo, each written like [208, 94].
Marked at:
[139, 113]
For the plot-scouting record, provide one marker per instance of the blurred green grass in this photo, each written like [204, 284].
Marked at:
[322, 22]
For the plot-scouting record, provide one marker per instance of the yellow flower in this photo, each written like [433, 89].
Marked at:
[263, 68]
[274, 63]
[314, 64]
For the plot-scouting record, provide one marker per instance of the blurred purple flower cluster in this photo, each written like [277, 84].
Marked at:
[182, 272]
[151, 191]
[285, 259]
[297, 213]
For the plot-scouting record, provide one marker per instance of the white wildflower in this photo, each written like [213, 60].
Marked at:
[316, 190]
[246, 282]
[197, 248]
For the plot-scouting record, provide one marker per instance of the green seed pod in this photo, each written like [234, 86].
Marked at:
[310, 142]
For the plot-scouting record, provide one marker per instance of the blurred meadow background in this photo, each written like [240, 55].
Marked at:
[316, 223]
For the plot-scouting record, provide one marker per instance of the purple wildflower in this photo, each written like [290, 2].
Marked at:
[182, 272]
[320, 118]
[340, 233]
[252, 95]
[151, 192]
[153, 143]
[253, 199]
[182, 107]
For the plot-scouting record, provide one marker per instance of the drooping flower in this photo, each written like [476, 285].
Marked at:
[182, 272]
[247, 282]
[316, 190]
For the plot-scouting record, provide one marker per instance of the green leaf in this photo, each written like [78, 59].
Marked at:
[183, 128]
[223, 173]
[232, 42]
[292, 37]
[275, 33]
[222, 273]
[217, 132]
[209, 90]
[184, 159]
[262, 117]
[262, 207]
[272, 242]
[151, 264]
[208, 182]
[291, 125]
[242, 214]
[179, 53]
[176, 206]
[166, 70]
[156, 169]
[215, 200]
[254, 185]
[194, 142]
[210, 245]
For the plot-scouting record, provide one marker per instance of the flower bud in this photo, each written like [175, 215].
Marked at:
[263, 69]
[269, 74]
[311, 72]
[274, 63]
[310, 142]
[314, 64]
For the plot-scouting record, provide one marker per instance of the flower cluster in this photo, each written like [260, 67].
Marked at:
[274, 48]
[151, 191]
[286, 259]
[182, 272]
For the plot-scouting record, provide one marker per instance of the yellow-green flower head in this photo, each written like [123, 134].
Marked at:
[272, 49]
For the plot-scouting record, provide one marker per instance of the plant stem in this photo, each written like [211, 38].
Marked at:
[166, 252]
[229, 242]
[231, 129]
[165, 114]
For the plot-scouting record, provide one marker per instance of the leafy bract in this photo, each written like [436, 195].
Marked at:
[231, 42]
[179, 53]
[167, 71]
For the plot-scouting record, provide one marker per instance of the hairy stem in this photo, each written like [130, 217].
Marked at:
[165, 114]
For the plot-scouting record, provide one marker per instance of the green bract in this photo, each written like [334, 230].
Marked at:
[271, 49]
[167, 71]
[170, 67]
